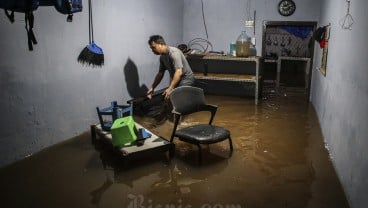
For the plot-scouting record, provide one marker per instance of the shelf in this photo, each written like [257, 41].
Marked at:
[227, 77]
[290, 58]
[247, 74]
[232, 58]
[270, 60]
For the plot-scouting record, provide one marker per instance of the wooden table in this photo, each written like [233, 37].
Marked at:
[152, 145]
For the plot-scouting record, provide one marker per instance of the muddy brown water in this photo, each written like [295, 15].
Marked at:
[279, 160]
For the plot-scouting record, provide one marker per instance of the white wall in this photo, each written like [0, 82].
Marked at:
[47, 97]
[341, 98]
[225, 19]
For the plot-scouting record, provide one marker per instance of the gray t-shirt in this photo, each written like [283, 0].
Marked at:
[173, 60]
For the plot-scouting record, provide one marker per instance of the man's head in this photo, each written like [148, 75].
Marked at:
[157, 44]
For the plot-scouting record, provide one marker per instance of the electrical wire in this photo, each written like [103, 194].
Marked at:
[202, 48]
[198, 45]
[203, 43]
[204, 20]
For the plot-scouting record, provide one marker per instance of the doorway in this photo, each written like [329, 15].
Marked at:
[287, 48]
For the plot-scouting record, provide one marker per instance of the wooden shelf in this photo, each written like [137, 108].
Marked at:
[232, 58]
[226, 77]
[287, 58]
[248, 74]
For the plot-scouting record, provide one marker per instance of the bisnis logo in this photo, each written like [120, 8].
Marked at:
[137, 201]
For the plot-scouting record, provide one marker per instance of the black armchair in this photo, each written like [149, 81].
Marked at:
[187, 100]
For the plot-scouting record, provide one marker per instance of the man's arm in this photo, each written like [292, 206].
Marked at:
[174, 82]
[157, 81]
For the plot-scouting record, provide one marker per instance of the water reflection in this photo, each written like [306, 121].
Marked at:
[174, 177]
[278, 161]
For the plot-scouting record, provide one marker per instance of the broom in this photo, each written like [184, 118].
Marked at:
[92, 54]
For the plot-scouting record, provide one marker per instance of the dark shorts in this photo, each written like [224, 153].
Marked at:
[188, 81]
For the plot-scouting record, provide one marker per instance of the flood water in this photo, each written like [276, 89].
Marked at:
[279, 160]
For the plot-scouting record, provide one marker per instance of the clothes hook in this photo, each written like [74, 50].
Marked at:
[347, 21]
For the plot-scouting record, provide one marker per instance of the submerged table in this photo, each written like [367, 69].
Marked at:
[152, 145]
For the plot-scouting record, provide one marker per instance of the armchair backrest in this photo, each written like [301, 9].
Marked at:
[187, 99]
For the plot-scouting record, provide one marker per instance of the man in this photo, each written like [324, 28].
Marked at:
[173, 60]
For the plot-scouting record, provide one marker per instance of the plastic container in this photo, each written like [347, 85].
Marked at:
[252, 50]
[242, 45]
[123, 131]
[232, 49]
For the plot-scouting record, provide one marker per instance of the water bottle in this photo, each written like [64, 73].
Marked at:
[243, 44]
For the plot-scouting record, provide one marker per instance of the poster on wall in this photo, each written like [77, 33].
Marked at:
[324, 45]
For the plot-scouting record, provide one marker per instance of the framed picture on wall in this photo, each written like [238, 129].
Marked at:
[323, 67]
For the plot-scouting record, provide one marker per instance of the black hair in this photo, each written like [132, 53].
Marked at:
[157, 39]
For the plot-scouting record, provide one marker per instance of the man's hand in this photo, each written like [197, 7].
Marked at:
[150, 93]
[174, 82]
[167, 93]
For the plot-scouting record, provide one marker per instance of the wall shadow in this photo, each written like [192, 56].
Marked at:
[132, 80]
[154, 107]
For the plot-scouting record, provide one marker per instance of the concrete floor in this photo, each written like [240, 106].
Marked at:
[279, 160]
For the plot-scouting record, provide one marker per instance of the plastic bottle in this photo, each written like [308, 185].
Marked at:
[232, 49]
[252, 50]
[242, 45]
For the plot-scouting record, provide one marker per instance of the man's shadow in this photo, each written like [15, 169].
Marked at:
[155, 107]
[132, 80]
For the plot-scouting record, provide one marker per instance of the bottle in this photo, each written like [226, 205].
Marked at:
[232, 49]
[242, 45]
[252, 50]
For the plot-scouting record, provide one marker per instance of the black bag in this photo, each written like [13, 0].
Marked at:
[19, 5]
[28, 6]
[68, 7]
[319, 34]
[23, 6]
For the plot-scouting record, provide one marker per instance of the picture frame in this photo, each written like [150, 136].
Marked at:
[323, 67]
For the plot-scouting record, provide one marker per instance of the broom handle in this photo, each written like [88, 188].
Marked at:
[90, 22]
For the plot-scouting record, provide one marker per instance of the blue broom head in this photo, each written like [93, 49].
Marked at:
[95, 48]
[91, 55]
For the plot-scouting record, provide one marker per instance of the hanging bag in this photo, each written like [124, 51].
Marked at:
[23, 6]
[68, 7]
